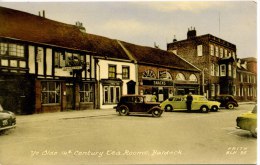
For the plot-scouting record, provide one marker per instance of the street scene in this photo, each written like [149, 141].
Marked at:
[166, 82]
[104, 137]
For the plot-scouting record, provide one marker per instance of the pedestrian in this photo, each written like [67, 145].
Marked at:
[189, 100]
[154, 98]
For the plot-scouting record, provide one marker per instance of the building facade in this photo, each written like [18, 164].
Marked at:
[215, 57]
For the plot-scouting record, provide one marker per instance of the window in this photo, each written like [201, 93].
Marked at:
[216, 70]
[212, 50]
[225, 53]
[229, 54]
[234, 90]
[229, 70]
[12, 49]
[241, 78]
[180, 77]
[212, 71]
[112, 71]
[199, 50]
[125, 72]
[86, 93]
[149, 74]
[72, 59]
[165, 75]
[234, 72]
[221, 53]
[59, 59]
[223, 70]
[216, 51]
[112, 94]
[50, 92]
[234, 55]
[193, 78]
[212, 90]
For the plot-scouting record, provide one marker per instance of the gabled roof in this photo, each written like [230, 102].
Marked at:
[154, 56]
[33, 28]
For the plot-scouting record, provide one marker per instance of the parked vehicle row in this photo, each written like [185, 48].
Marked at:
[7, 119]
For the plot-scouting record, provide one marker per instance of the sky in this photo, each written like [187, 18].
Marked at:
[148, 23]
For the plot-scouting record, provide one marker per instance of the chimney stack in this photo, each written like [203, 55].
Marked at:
[191, 33]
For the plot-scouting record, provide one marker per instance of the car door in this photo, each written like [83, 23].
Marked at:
[179, 103]
[138, 105]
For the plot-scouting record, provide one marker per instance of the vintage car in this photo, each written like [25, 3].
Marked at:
[137, 104]
[7, 119]
[227, 101]
[248, 121]
[199, 102]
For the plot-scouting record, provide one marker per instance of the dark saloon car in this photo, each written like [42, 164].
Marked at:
[248, 121]
[227, 101]
[137, 104]
[7, 119]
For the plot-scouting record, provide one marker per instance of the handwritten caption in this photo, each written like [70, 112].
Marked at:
[236, 151]
[100, 154]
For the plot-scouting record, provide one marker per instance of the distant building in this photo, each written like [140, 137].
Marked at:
[217, 60]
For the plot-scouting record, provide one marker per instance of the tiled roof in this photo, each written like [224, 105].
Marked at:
[149, 55]
[32, 28]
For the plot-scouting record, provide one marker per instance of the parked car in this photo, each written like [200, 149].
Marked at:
[199, 103]
[7, 119]
[248, 121]
[137, 104]
[227, 101]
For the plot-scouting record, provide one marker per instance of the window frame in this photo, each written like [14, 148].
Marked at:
[112, 74]
[125, 75]
[48, 92]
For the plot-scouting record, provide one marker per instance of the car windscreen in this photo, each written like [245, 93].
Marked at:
[202, 99]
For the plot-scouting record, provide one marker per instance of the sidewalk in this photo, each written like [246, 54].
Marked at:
[249, 102]
[64, 115]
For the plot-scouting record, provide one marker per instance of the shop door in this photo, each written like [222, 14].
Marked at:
[70, 97]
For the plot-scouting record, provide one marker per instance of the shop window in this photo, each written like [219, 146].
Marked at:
[111, 71]
[12, 49]
[193, 78]
[112, 94]
[86, 93]
[125, 72]
[180, 77]
[149, 74]
[50, 92]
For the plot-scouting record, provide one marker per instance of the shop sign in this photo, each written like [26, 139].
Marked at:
[72, 68]
[157, 83]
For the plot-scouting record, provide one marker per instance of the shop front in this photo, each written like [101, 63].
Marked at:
[162, 89]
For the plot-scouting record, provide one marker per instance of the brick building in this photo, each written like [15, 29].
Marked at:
[216, 58]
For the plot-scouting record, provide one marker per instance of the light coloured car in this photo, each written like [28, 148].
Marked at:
[199, 102]
[7, 119]
[248, 121]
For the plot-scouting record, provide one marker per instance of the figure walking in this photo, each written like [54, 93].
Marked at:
[189, 100]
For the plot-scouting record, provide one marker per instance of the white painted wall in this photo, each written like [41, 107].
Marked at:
[48, 61]
[31, 60]
[103, 74]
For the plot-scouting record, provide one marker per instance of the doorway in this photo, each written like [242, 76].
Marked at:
[70, 97]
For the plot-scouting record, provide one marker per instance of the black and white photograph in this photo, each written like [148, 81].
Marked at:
[128, 82]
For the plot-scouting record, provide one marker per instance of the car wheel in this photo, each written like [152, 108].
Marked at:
[156, 112]
[254, 132]
[230, 106]
[204, 109]
[214, 108]
[123, 110]
[168, 108]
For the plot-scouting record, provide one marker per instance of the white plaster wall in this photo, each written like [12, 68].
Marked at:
[31, 60]
[103, 74]
[40, 60]
[48, 61]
